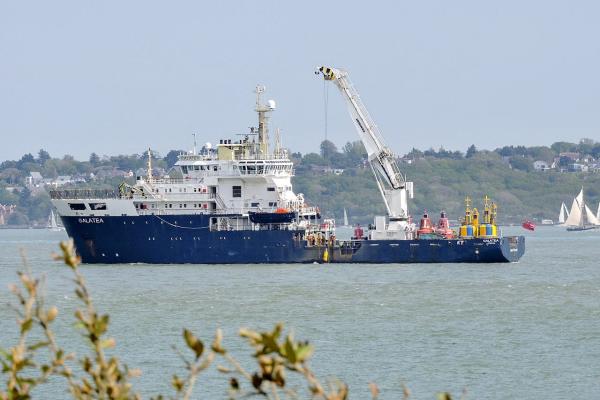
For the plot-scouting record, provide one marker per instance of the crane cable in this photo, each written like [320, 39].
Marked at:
[325, 104]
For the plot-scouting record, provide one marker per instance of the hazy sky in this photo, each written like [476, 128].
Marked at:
[118, 76]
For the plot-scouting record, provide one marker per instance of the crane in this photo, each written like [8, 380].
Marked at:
[392, 184]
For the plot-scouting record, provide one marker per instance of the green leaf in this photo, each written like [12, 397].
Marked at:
[290, 352]
[38, 345]
[193, 343]
[26, 325]
[177, 383]
[304, 351]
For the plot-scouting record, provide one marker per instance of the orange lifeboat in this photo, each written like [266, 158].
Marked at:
[443, 227]
[425, 227]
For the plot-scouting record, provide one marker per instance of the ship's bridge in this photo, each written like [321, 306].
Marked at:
[235, 159]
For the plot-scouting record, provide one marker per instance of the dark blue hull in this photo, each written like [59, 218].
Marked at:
[187, 239]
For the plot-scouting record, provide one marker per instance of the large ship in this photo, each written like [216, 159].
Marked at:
[234, 203]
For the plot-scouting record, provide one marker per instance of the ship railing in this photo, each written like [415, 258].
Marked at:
[175, 180]
[309, 210]
[84, 194]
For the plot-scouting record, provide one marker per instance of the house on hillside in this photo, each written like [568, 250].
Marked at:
[5, 211]
[574, 157]
[110, 172]
[594, 167]
[578, 167]
[79, 178]
[62, 180]
[34, 179]
[541, 165]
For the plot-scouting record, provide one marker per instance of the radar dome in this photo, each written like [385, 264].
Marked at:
[271, 104]
[208, 145]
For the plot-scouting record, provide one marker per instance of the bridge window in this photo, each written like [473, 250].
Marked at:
[184, 169]
[77, 206]
[236, 191]
[97, 206]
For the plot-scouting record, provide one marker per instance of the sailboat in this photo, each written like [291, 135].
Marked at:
[52, 225]
[345, 218]
[564, 214]
[581, 218]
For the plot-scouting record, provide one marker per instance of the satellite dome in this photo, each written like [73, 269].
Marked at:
[271, 104]
[208, 145]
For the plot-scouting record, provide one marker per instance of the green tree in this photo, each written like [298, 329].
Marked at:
[471, 151]
[43, 156]
[17, 218]
[94, 159]
[11, 175]
[39, 207]
[313, 159]
[355, 153]
[328, 149]
[562, 147]
[415, 154]
[27, 158]
[7, 197]
[172, 156]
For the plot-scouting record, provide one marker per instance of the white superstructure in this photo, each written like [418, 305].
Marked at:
[234, 177]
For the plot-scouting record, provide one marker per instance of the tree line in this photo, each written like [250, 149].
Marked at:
[442, 177]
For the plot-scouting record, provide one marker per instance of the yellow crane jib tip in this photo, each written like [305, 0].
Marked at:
[328, 73]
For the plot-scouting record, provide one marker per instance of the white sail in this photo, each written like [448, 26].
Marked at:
[561, 216]
[345, 218]
[53, 223]
[591, 218]
[576, 214]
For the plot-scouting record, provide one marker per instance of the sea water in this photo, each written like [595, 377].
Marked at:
[527, 330]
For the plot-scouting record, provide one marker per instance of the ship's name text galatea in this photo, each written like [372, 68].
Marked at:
[91, 221]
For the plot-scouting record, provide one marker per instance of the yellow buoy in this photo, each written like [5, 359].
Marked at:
[326, 255]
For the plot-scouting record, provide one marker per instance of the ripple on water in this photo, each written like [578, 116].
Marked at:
[522, 330]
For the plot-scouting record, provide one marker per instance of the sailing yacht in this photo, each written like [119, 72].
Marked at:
[581, 218]
[346, 218]
[52, 225]
[563, 215]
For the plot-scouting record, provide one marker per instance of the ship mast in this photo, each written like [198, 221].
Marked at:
[149, 166]
[263, 111]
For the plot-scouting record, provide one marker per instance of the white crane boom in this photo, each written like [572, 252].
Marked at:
[392, 184]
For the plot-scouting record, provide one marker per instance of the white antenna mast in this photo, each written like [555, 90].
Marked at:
[149, 166]
[195, 152]
[278, 142]
[263, 120]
